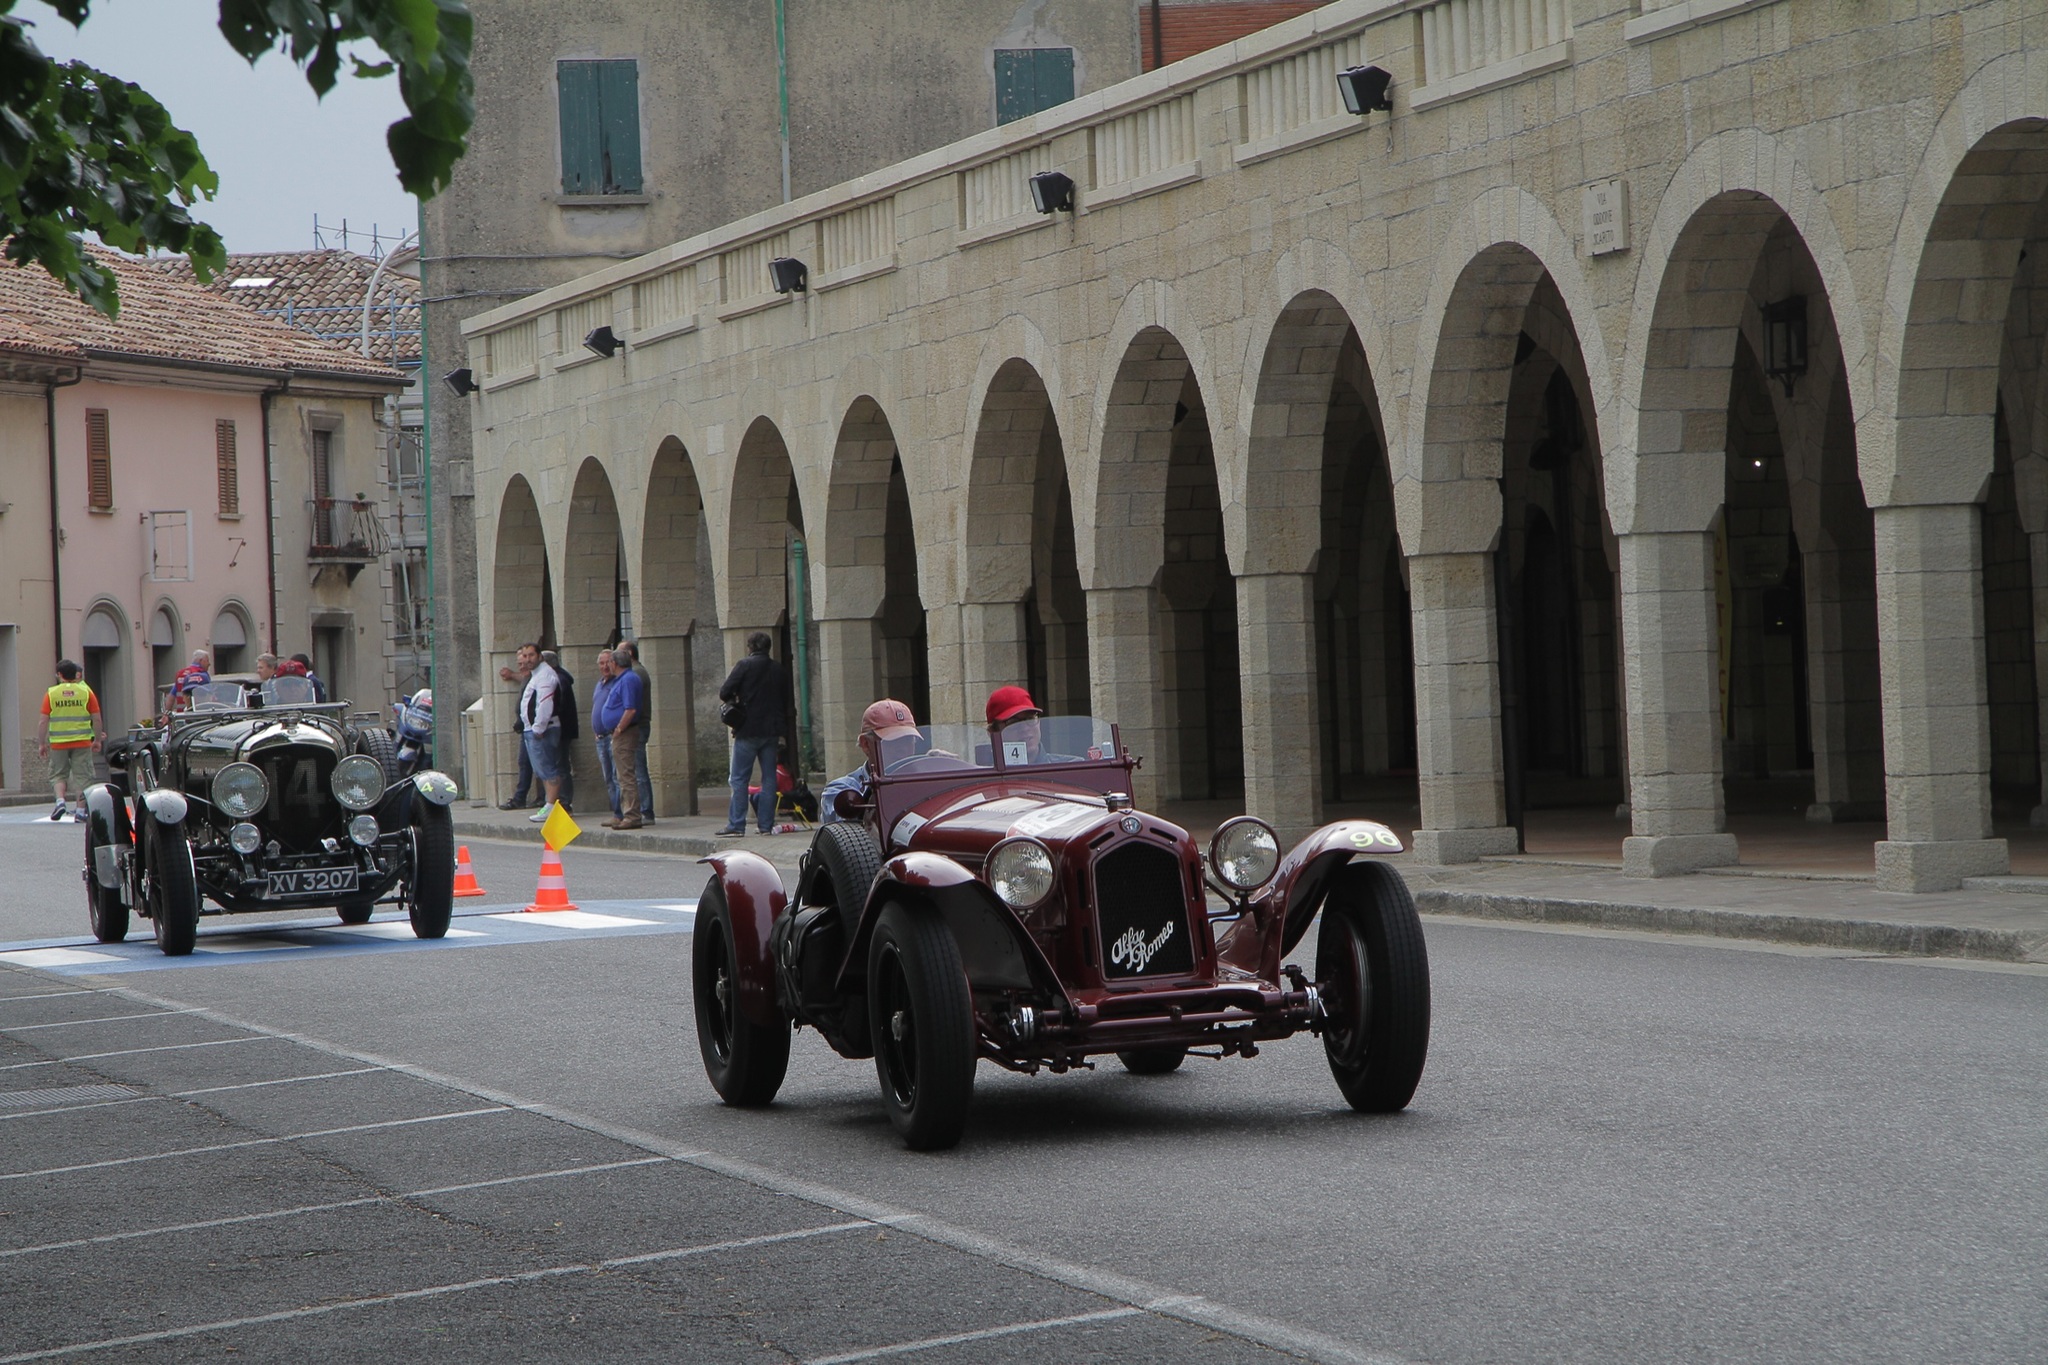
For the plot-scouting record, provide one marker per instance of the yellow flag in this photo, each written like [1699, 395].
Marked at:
[561, 829]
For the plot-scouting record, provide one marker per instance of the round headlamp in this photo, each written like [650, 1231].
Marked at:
[1020, 871]
[240, 790]
[363, 829]
[245, 838]
[1245, 853]
[358, 781]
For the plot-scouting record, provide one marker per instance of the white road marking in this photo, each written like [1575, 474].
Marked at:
[75, 1108]
[47, 995]
[110, 1019]
[232, 947]
[571, 919]
[302, 1209]
[432, 1291]
[392, 929]
[249, 1142]
[985, 1334]
[288, 1080]
[56, 957]
[138, 1051]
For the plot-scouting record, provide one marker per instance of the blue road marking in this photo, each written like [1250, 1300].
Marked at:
[225, 943]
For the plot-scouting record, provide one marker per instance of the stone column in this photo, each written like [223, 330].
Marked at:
[849, 678]
[1126, 686]
[1671, 650]
[671, 739]
[501, 704]
[1283, 753]
[1457, 709]
[2037, 547]
[991, 653]
[942, 652]
[1937, 723]
[1841, 662]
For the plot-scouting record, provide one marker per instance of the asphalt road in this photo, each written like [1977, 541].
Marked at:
[502, 1147]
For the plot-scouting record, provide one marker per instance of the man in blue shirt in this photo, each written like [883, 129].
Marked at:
[618, 718]
[606, 672]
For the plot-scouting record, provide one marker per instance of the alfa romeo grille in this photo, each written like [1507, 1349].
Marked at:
[1141, 905]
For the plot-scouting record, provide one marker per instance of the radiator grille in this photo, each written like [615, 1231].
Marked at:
[1141, 905]
[302, 808]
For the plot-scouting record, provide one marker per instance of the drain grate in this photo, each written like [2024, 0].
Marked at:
[62, 1094]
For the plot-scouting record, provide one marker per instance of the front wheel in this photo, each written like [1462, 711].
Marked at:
[433, 870]
[1152, 1061]
[104, 908]
[173, 891]
[355, 912]
[1372, 971]
[745, 1061]
[921, 1017]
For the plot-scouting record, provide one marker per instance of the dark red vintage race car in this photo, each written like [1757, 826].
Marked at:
[997, 898]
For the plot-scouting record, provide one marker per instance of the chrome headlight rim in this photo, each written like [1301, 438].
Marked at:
[356, 763]
[1226, 848]
[245, 838]
[995, 870]
[364, 831]
[231, 790]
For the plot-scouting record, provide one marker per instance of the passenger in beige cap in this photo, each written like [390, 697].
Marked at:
[888, 734]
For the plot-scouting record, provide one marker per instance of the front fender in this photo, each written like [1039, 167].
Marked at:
[996, 949]
[166, 806]
[1289, 902]
[106, 822]
[754, 899]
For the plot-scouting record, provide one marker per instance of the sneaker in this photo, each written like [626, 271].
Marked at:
[58, 814]
[730, 833]
[78, 816]
[627, 824]
[511, 805]
[540, 817]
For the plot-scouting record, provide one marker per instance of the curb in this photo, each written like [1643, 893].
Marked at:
[1871, 936]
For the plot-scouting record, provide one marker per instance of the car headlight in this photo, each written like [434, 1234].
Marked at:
[358, 781]
[245, 838]
[1020, 871]
[240, 790]
[1245, 853]
[363, 829]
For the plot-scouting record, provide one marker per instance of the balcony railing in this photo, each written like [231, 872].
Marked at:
[344, 531]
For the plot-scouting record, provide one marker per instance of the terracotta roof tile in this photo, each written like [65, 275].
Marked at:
[322, 292]
[166, 318]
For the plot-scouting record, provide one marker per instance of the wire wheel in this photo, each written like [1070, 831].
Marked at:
[1372, 972]
[921, 1018]
[745, 1061]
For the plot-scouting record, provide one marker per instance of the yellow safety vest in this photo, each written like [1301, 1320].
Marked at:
[70, 714]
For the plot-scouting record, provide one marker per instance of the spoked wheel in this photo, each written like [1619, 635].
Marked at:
[921, 1017]
[173, 891]
[433, 871]
[1152, 1061]
[1373, 974]
[104, 908]
[745, 1061]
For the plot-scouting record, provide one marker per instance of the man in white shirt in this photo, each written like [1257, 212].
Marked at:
[543, 727]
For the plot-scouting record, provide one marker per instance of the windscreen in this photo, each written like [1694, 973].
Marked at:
[288, 691]
[1024, 743]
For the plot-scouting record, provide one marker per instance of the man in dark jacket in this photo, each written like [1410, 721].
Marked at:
[761, 686]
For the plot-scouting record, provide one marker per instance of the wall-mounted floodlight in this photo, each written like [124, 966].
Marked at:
[604, 342]
[1785, 340]
[1052, 191]
[463, 381]
[1366, 88]
[789, 275]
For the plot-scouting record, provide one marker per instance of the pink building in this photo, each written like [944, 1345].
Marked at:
[147, 472]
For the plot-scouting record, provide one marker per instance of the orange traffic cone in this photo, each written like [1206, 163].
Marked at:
[553, 893]
[465, 875]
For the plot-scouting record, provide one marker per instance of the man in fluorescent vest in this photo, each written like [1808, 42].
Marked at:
[71, 732]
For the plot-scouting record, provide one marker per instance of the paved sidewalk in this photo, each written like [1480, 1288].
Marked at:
[2003, 919]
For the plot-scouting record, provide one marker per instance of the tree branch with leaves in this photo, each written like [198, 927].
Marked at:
[83, 152]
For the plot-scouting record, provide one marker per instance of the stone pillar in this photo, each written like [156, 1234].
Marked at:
[1457, 709]
[942, 652]
[1670, 645]
[1841, 666]
[501, 705]
[1126, 686]
[849, 678]
[1937, 722]
[2037, 547]
[1283, 752]
[671, 739]
[991, 654]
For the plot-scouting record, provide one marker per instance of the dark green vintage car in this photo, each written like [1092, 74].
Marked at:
[253, 800]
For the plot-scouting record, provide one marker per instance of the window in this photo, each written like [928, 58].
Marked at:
[99, 462]
[224, 468]
[170, 547]
[600, 108]
[327, 519]
[1029, 79]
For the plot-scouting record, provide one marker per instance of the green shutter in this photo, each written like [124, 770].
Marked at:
[600, 109]
[582, 142]
[1029, 79]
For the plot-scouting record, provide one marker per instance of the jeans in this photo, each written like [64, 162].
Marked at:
[611, 773]
[646, 783]
[525, 771]
[745, 752]
[544, 751]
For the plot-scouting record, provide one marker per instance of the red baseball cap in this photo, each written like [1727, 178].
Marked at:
[888, 719]
[1007, 703]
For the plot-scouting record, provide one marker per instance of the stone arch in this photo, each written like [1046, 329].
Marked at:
[233, 638]
[591, 603]
[762, 504]
[103, 639]
[521, 587]
[669, 604]
[165, 632]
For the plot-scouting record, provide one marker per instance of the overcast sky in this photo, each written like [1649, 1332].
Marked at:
[282, 155]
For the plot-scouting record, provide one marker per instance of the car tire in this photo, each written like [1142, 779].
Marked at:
[849, 860]
[173, 891]
[381, 745]
[921, 1020]
[356, 912]
[104, 908]
[432, 898]
[744, 1060]
[1152, 1061]
[1372, 971]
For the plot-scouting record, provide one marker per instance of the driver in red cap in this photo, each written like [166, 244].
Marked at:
[888, 734]
[1013, 718]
